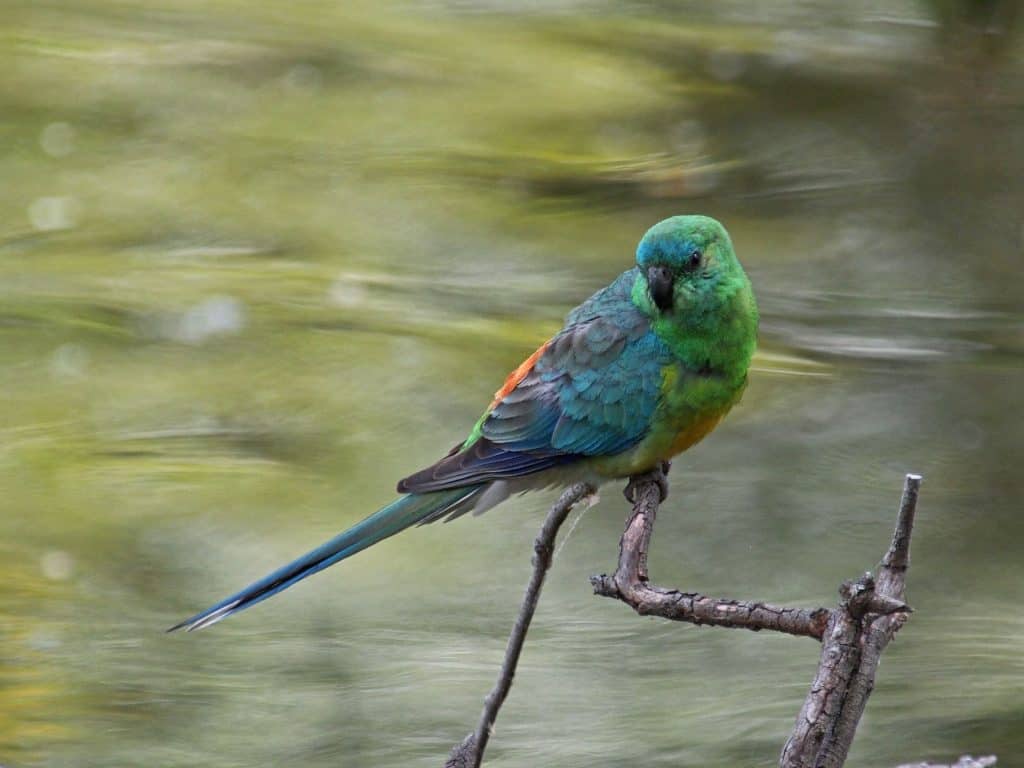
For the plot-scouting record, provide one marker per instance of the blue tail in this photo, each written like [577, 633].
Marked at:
[396, 516]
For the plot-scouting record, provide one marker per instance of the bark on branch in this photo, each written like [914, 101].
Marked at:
[854, 640]
[630, 585]
[853, 635]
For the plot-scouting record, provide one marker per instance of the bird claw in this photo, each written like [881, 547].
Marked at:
[659, 475]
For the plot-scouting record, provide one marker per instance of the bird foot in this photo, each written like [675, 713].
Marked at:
[659, 475]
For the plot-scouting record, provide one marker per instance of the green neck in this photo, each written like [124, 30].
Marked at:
[714, 333]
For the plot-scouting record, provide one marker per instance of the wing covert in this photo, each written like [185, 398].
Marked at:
[592, 390]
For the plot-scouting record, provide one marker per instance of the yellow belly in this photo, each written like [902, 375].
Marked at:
[657, 447]
[693, 434]
[690, 410]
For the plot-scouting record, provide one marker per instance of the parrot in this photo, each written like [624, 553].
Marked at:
[641, 371]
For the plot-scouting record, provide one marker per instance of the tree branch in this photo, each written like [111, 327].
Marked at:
[854, 635]
[630, 585]
[875, 630]
[469, 753]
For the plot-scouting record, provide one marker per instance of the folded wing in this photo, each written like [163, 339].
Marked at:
[592, 390]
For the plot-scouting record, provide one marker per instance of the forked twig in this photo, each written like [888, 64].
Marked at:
[853, 635]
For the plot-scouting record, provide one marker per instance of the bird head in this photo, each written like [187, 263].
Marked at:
[686, 264]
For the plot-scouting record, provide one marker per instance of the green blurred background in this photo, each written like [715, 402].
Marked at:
[258, 260]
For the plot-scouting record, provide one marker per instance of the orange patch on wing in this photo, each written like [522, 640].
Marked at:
[517, 375]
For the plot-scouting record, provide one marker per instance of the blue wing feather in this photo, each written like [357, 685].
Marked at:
[592, 392]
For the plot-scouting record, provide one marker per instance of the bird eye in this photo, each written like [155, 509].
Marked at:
[694, 258]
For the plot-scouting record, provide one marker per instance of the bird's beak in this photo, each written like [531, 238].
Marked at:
[659, 283]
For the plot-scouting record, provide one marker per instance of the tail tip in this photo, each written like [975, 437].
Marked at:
[206, 618]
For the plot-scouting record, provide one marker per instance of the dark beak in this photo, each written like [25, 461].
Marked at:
[659, 282]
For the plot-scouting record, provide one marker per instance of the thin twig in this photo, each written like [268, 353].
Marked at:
[469, 753]
[630, 585]
[965, 761]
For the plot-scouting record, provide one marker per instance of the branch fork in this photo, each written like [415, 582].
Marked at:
[853, 635]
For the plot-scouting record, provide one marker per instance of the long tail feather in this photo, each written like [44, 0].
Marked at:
[397, 516]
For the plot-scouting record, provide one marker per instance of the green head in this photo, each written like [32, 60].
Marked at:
[692, 286]
[688, 265]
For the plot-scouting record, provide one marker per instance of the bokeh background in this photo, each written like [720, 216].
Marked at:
[258, 260]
